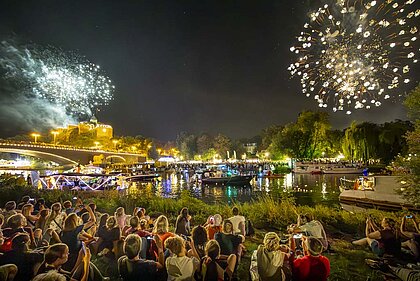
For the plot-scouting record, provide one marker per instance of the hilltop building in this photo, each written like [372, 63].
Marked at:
[93, 127]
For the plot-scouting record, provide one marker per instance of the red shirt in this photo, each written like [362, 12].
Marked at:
[311, 268]
[212, 230]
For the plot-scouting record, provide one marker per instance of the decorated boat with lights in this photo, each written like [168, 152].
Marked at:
[379, 192]
[224, 178]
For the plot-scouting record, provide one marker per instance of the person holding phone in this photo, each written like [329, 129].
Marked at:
[313, 265]
[413, 242]
[132, 267]
[382, 240]
[271, 260]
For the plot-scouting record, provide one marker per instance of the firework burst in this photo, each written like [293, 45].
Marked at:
[66, 80]
[354, 54]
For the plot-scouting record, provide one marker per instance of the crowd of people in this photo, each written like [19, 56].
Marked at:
[74, 241]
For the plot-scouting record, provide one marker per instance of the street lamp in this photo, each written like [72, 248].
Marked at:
[36, 136]
[96, 144]
[55, 133]
[159, 150]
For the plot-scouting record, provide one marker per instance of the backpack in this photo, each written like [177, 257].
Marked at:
[249, 229]
[7, 243]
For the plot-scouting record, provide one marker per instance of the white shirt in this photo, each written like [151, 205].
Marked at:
[181, 268]
[235, 222]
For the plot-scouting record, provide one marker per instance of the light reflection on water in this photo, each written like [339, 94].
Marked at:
[305, 188]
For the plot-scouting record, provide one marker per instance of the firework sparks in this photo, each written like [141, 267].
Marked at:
[65, 80]
[353, 54]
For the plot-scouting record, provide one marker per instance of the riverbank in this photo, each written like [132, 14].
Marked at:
[267, 214]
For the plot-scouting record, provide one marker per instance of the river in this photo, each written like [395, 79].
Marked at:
[306, 189]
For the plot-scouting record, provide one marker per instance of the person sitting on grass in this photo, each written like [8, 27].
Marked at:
[215, 267]
[271, 260]
[31, 219]
[73, 234]
[198, 242]
[121, 217]
[179, 266]
[57, 255]
[17, 224]
[109, 237]
[132, 268]
[68, 207]
[382, 241]
[56, 218]
[213, 225]
[310, 228]
[413, 242]
[238, 222]
[9, 210]
[135, 227]
[312, 266]
[229, 243]
[20, 255]
[182, 224]
[161, 229]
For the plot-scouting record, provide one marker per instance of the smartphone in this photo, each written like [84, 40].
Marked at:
[297, 236]
[32, 200]
[409, 216]
[149, 237]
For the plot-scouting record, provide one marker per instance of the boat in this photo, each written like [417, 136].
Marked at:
[342, 168]
[142, 178]
[307, 168]
[234, 180]
[377, 192]
[326, 168]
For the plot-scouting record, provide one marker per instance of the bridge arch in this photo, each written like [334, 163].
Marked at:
[116, 156]
[40, 154]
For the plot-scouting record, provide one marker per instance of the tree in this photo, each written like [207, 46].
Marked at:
[390, 140]
[412, 162]
[304, 139]
[361, 141]
[334, 140]
[222, 144]
[187, 145]
[268, 134]
[204, 143]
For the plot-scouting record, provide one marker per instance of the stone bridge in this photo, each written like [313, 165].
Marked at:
[67, 155]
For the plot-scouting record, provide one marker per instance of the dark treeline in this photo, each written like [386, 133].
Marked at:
[309, 137]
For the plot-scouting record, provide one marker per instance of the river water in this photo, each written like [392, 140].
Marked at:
[305, 188]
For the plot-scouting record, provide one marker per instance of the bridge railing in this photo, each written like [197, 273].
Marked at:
[63, 147]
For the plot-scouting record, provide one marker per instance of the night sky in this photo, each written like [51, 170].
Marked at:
[195, 66]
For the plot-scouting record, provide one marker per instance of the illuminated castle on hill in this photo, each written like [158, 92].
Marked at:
[93, 127]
